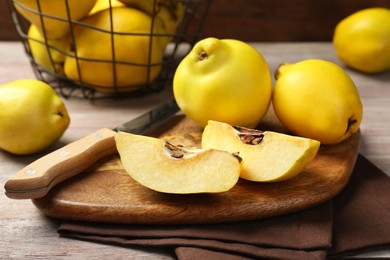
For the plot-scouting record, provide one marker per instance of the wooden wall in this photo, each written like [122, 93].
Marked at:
[259, 20]
[281, 20]
[7, 30]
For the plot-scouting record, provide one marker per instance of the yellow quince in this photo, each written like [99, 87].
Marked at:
[362, 40]
[169, 12]
[54, 14]
[49, 54]
[317, 99]
[104, 4]
[137, 55]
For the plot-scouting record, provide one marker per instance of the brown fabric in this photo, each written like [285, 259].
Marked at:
[362, 211]
[356, 220]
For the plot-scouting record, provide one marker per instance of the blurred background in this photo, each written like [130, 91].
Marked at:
[259, 20]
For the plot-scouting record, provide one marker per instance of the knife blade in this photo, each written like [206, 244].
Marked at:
[36, 179]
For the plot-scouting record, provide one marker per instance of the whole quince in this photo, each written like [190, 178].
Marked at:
[317, 99]
[362, 40]
[127, 44]
[169, 12]
[104, 4]
[49, 54]
[54, 14]
[223, 80]
[32, 116]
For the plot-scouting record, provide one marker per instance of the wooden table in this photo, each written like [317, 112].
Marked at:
[27, 233]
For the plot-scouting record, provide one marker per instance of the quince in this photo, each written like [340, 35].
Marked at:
[161, 166]
[50, 56]
[104, 4]
[32, 116]
[54, 14]
[127, 44]
[266, 156]
[317, 99]
[362, 40]
[169, 12]
[223, 80]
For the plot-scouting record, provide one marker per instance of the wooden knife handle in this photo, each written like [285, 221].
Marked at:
[37, 178]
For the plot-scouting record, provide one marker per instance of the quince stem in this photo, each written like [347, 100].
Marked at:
[351, 122]
[203, 55]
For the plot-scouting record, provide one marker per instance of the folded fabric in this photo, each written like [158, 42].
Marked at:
[357, 220]
[361, 212]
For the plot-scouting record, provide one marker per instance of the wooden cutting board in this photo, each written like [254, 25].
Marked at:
[106, 193]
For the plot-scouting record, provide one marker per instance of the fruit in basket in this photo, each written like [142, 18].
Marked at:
[51, 59]
[164, 167]
[104, 4]
[33, 116]
[53, 10]
[317, 99]
[131, 48]
[362, 40]
[266, 156]
[170, 12]
[223, 80]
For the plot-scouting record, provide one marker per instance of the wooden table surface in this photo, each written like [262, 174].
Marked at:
[27, 233]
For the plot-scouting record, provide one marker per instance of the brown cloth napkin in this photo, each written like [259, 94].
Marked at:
[357, 220]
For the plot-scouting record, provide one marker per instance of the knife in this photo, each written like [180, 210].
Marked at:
[36, 179]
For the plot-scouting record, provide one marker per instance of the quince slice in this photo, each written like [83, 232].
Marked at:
[164, 167]
[266, 156]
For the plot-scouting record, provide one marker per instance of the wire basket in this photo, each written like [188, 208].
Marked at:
[126, 46]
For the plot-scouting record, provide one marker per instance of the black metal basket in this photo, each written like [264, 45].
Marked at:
[154, 71]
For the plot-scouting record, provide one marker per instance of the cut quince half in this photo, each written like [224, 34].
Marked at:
[164, 167]
[266, 156]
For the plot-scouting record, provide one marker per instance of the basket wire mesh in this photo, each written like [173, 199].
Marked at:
[187, 33]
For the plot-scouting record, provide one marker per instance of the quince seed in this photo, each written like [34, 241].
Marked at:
[177, 155]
